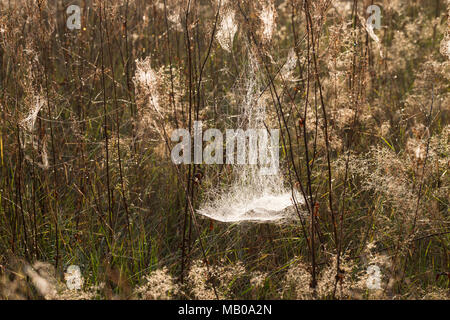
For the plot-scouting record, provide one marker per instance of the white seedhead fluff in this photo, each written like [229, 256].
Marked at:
[73, 277]
[226, 31]
[258, 193]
